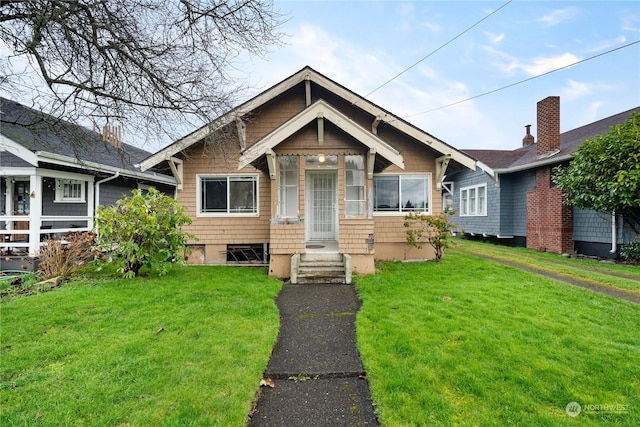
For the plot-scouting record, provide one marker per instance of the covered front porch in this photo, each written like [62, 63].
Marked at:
[39, 204]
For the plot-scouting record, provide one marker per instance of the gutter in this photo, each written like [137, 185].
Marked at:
[534, 165]
[69, 161]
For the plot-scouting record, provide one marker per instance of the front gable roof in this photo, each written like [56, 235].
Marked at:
[307, 74]
[320, 109]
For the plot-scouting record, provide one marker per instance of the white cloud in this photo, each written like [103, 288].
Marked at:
[576, 90]
[542, 65]
[608, 44]
[559, 16]
[631, 23]
[494, 38]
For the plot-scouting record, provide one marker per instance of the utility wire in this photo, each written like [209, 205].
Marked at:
[436, 50]
[523, 81]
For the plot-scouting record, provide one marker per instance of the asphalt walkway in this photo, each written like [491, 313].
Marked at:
[317, 374]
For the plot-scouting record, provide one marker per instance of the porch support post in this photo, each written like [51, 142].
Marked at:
[442, 163]
[371, 162]
[320, 128]
[35, 213]
[271, 163]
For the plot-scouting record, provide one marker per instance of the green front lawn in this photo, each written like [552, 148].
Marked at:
[471, 342]
[188, 348]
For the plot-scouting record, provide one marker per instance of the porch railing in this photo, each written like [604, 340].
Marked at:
[12, 239]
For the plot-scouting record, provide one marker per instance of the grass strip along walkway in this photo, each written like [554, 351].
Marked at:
[614, 280]
[188, 348]
[469, 341]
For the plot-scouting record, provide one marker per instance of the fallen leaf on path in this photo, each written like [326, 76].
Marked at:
[268, 382]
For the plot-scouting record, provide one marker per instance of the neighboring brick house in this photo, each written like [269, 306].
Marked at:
[305, 166]
[511, 197]
[53, 174]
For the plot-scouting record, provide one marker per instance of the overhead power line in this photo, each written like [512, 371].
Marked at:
[436, 50]
[523, 81]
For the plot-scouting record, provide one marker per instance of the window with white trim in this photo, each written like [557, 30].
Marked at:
[288, 186]
[473, 200]
[401, 193]
[354, 185]
[228, 195]
[69, 190]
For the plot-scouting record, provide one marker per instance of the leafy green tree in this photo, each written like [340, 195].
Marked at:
[604, 174]
[143, 229]
[434, 230]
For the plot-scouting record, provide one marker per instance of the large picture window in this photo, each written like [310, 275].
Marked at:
[227, 195]
[401, 193]
[288, 186]
[354, 185]
[473, 201]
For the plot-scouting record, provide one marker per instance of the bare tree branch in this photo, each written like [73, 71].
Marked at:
[157, 63]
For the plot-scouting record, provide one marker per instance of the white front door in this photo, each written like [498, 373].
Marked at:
[322, 205]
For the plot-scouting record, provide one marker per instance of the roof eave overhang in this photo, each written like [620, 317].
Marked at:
[222, 121]
[320, 109]
[18, 150]
[536, 164]
[73, 162]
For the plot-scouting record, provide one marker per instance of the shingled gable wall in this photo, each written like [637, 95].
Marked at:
[549, 221]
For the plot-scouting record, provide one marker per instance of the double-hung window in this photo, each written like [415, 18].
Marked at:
[229, 195]
[401, 193]
[288, 186]
[473, 200]
[354, 185]
[69, 190]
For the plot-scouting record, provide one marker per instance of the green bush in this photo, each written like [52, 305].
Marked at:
[631, 251]
[434, 230]
[143, 229]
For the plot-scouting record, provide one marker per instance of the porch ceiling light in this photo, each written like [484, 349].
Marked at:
[321, 158]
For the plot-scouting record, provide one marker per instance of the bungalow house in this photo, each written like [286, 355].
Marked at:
[511, 198]
[53, 175]
[307, 171]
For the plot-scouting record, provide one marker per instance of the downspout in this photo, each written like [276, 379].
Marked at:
[614, 237]
[109, 178]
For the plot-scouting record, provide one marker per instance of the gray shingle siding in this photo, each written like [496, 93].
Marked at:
[592, 226]
[8, 160]
[489, 224]
[514, 202]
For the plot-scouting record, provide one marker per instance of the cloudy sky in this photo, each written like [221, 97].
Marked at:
[464, 49]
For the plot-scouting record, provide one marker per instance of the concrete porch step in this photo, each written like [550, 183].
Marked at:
[315, 268]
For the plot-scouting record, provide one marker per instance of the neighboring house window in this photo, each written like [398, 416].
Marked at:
[401, 193]
[473, 201]
[69, 190]
[227, 195]
[447, 196]
[288, 166]
[354, 185]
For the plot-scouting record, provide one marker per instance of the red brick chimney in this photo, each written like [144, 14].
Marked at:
[528, 138]
[548, 125]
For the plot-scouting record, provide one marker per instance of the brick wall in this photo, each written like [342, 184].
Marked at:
[549, 221]
[548, 117]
